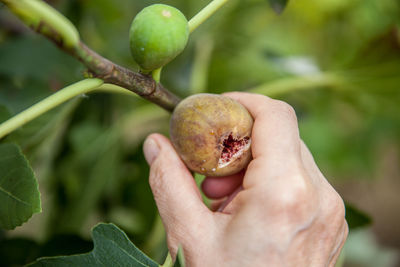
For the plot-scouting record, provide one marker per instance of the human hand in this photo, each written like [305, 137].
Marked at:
[280, 211]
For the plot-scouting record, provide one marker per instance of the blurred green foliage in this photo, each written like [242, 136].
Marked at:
[336, 61]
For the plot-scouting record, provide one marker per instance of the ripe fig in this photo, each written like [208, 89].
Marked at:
[157, 35]
[212, 134]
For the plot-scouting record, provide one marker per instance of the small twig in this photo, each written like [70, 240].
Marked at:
[205, 13]
[48, 22]
[297, 83]
[139, 83]
[82, 87]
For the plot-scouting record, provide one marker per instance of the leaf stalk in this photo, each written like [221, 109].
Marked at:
[52, 101]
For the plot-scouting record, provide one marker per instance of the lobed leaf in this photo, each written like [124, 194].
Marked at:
[356, 218]
[111, 248]
[19, 193]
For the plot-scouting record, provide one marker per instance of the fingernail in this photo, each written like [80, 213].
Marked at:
[151, 150]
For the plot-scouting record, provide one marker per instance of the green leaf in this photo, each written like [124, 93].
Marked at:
[356, 218]
[19, 193]
[278, 5]
[4, 114]
[18, 251]
[111, 248]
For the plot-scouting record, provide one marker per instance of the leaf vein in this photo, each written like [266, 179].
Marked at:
[14, 197]
[125, 251]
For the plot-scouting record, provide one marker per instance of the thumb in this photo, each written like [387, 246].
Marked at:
[177, 197]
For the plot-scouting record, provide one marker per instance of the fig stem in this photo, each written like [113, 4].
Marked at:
[205, 13]
[52, 101]
[298, 83]
[48, 22]
[201, 63]
[156, 74]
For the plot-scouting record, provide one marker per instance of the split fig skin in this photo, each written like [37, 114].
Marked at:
[212, 134]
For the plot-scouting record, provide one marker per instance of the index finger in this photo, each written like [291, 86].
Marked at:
[275, 133]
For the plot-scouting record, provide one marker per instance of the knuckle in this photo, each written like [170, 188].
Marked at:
[294, 198]
[338, 206]
[285, 110]
[335, 208]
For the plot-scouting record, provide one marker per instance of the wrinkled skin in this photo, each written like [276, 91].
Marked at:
[212, 134]
[279, 211]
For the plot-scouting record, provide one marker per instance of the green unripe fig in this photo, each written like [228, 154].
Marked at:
[212, 134]
[158, 34]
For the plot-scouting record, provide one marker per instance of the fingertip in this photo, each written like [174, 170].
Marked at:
[160, 139]
[157, 143]
[151, 149]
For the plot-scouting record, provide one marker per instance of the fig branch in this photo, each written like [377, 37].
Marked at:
[47, 21]
[141, 84]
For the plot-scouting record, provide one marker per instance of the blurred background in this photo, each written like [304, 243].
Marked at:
[336, 61]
